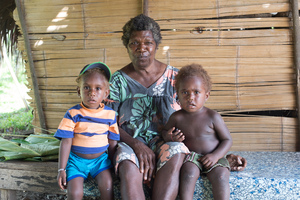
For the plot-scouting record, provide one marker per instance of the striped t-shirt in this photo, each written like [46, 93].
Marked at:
[89, 128]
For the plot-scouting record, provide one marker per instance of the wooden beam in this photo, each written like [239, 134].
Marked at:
[8, 194]
[145, 7]
[296, 45]
[31, 66]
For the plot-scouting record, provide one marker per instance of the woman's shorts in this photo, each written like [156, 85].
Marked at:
[81, 167]
[163, 151]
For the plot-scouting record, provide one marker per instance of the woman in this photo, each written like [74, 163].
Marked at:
[143, 95]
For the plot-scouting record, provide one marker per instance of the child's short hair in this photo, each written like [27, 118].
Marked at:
[193, 70]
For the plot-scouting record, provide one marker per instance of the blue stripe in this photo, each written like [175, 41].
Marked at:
[92, 134]
[80, 118]
[113, 136]
[63, 134]
[88, 150]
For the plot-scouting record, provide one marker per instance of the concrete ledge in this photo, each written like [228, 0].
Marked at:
[268, 175]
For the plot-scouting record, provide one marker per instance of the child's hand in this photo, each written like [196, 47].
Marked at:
[176, 135]
[61, 180]
[208, 161]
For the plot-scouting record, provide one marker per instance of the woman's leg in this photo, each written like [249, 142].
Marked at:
[75, 188]
[189, 174]
[219, 178]
[166, 181]
[131, 181]
[105, 185]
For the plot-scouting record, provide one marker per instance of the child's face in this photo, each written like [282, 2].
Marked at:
[192, 94]
[92, 90]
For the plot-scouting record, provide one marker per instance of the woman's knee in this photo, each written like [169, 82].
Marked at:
[128, 170]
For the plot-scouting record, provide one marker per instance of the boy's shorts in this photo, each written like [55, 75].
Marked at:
[193, 157]
[81, 167]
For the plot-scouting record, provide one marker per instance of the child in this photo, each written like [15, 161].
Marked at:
[203, 131]
[86, 132]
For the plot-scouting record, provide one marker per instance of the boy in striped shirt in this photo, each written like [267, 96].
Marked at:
[87, 130]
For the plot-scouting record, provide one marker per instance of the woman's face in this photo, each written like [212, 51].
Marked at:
[141, 48]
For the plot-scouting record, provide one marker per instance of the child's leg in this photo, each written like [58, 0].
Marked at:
[219, 178]
[75, 188]
[105, 185]
[188, 176]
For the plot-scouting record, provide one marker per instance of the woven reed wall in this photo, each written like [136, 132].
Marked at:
[247, 50]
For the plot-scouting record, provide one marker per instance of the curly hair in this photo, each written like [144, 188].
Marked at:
[193, 70]
[89, 72]
[141, 23]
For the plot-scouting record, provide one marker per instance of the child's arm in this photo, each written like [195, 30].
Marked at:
[225, 142]
[112, 149]
[64, 152]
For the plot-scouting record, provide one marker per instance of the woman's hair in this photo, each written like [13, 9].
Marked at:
[141, 23]
[89, 72]
[193, 70]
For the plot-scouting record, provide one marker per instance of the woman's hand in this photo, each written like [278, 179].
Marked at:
[61, 179]
[236, 162]
[146, 159]
[174, 135]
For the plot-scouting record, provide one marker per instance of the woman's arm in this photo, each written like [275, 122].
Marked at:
[112, 148]
[170, 133]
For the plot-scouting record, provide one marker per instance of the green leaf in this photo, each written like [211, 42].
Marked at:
[32, 148]
[44, 149]
[43, 138]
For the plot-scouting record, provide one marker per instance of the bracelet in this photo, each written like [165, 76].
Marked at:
[59, 170]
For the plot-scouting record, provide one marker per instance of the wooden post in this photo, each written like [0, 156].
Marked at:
[8, 194]
[296, 45]
[32, 69]
[145, 7]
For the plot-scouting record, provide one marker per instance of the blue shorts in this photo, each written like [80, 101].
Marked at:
[81, 167]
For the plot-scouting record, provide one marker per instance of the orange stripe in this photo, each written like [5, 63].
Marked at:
[114, 128]
[66, 125]
[105, 114]
[87, 127]
[86, 141]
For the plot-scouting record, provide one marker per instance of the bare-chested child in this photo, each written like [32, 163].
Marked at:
[203, 131]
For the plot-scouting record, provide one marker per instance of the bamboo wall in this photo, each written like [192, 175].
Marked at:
[247, 51]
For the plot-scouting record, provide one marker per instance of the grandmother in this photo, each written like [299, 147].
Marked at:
[143, 95]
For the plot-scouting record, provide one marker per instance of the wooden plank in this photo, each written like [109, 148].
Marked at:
[39, 106]
[262, 133]
[192, 9]
[29, 176]
[296, 42]
[8, 194]
[200, 25]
